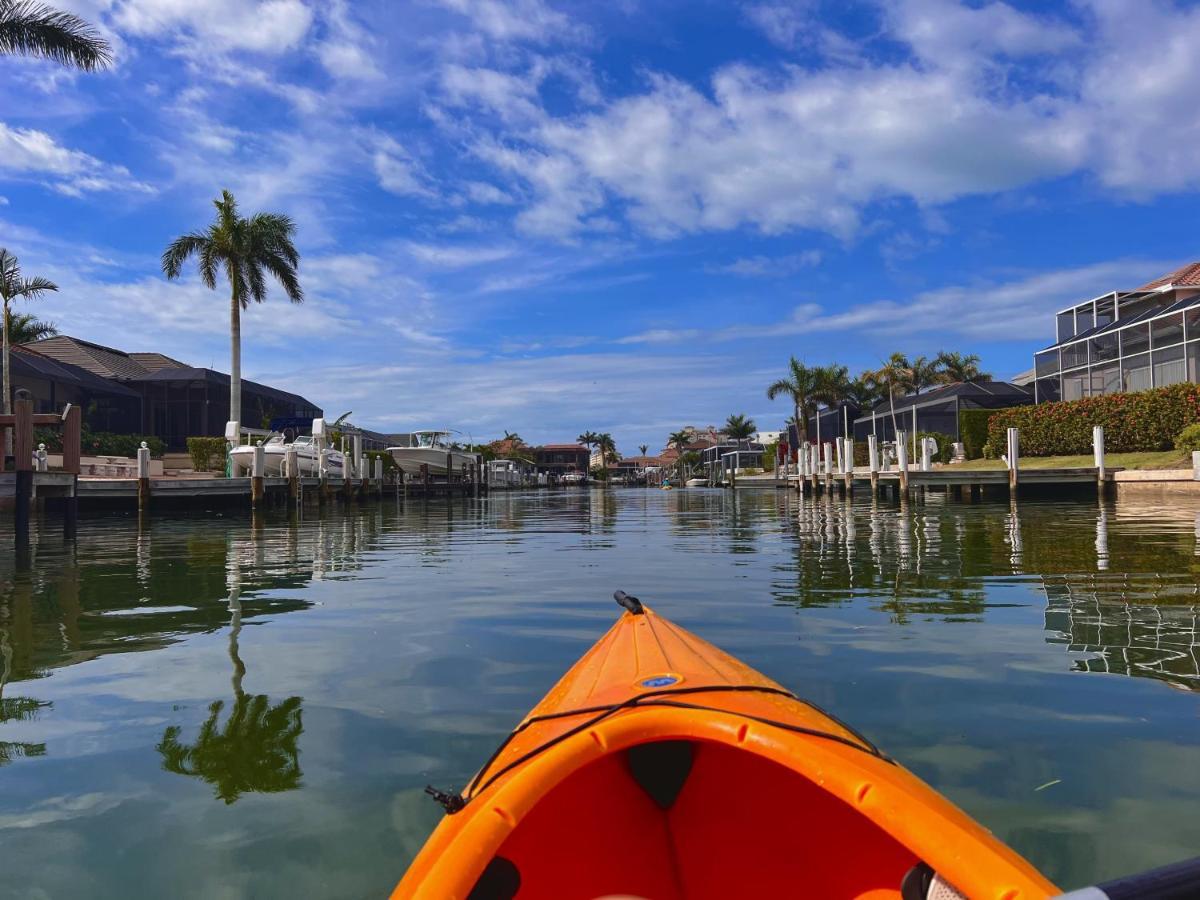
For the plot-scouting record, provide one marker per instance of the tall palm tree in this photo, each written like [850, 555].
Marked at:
[35, 29]
[607, 447]
[956, 368]
[247, 250]
[896, 375]
[739, 427]
[799, 385]
[25, 328]
[925, 373]
[642, 448]
[15, 286]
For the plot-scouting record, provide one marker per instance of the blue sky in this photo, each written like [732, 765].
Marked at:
[550, 217]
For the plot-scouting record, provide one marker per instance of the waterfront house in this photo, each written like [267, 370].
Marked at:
[1125, 340]
[937, 410]
[559, 459]
[150, 393]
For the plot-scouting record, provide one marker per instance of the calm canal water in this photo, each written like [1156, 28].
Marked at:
[222, 707]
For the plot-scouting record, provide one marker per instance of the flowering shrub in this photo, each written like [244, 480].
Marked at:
[1137, 422]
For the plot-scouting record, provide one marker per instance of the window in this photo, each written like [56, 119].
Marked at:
[1066, 325]
[1193, 322]
[1193, 361]
[1048, 389]
[1074, 355]
[1135, 339]
[1083, 318]
[1104, 347]
[1169, 367]
[1105, 310]
[1073, 385]
[1046, 363]
[1167, 331]
[1135, 373]
[1105, 379]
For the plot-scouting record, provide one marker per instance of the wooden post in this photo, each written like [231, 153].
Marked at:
[1098, 454]
[257, 470]
[1014, 459]
[902, 461]
[848, 459]
[378, 473]
[873, 461]
[359, 471]
[23, 465]
[70, 445]
[291, 462]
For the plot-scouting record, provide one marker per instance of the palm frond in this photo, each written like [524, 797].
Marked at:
[285, 273]
[34, 29]
[180, 249]
[25, 328]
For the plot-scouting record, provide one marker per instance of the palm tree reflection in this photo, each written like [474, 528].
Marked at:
[255, 751]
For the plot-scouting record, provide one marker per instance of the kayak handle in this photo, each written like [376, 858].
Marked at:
[633, 604]
[1177, 881]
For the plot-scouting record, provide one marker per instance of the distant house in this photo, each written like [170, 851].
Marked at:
[147, 393]
[1125, 340]
[559, 459]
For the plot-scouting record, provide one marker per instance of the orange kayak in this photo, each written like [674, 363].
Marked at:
[660, 767]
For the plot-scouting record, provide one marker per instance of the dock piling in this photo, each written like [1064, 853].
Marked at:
[902, 462]
[1098, 454]
[143, 471]
[71, 429]
[848, 464]
[291, 462]
[23, 465]
[1013, 458]
[257, 470]
[873, 462]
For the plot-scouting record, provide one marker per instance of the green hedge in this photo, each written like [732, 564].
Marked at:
[945, 444]
[973, 430]
[208, 453]
[1133, 423]
[101, 443]
[389, 464]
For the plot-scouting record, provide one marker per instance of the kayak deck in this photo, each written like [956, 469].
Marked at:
[661, 767]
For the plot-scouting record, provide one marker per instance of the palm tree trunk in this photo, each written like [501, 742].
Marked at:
[235, 361]
[6, 437]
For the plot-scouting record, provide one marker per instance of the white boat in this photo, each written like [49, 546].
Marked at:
[432, 450]
[697, 482]
[574, 478]
[275, 453]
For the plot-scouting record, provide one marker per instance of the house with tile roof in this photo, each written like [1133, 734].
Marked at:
[1124, 340]
[144, 393]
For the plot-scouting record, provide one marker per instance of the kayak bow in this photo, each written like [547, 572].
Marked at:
[661, 767]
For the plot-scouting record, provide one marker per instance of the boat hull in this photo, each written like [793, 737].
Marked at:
[659, 766]
[274, 458]
[410, 459]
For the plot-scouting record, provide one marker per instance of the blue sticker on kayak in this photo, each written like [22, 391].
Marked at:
[660, 681]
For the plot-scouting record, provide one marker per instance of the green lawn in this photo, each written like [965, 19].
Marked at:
[1167, 459]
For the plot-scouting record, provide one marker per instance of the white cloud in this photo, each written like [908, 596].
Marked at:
[264, 26]
[28, 152]
[770, 266]
[456, 256]
[516, 20]
[399, 172]
[346, 52]
[483, 192]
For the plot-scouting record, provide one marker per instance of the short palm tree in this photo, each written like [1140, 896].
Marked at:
[15, 286]
[799, 385]
[956, 368]
[25, 328]
[739, 428]
[607, 447]
[679, 440]
[247, 250]
[35, 29]
[896, 374]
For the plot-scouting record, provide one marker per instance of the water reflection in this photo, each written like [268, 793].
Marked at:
[309, 675]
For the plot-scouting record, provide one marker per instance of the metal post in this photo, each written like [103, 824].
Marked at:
[291, 462]
[926, 462]
[143, 474]
[257, 469]
[902, 461]
[359, 471]
[1014, 459]
[827, 467]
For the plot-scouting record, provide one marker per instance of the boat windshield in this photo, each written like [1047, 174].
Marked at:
[303, 440]
[430, 438]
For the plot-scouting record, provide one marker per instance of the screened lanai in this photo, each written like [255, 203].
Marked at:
[937, 410]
